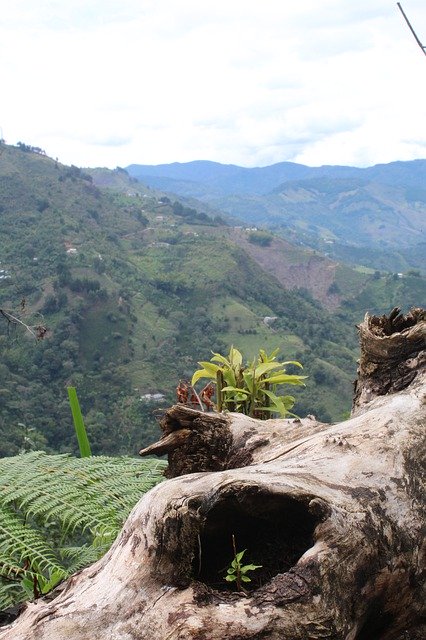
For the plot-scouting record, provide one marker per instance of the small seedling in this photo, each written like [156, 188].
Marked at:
[237, 572]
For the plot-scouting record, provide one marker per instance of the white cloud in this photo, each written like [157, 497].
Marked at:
[114, 82]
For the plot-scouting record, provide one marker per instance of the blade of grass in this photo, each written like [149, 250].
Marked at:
[80, 429]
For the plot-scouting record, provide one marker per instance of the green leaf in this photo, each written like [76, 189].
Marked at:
[264, 367]
[202, 373]
[281, 404]
[278, 404]
[229, 377]
[248, 378]
[209, 366]
[219, 358]
[286, 379]
[250, 567]
[240, 555]
[236, 390]
[28, 586]
[80, 430]
[230, 578]
[245, 578]
[48, 585]
[263, 356]
[235, 357]
[296, 364]
[287, 401]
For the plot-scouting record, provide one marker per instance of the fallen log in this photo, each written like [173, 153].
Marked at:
[332, 513]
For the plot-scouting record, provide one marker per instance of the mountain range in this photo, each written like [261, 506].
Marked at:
[230, 179]
[373, 216]
[134, 286]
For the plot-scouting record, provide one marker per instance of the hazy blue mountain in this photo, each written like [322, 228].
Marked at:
[337, 209]
[261, 180]
[227, 179]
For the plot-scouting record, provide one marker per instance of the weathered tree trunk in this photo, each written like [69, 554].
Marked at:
[392, 352]
[333, 513]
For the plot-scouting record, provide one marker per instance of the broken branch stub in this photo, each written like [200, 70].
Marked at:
[392, 353]
[333, 513]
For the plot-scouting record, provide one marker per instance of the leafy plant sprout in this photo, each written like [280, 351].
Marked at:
[250, 388]
[237, 572]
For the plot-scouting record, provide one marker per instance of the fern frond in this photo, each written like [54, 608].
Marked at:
[94, 494]
[25, 548]
[75, 558]
[10, 594]
[59, 514]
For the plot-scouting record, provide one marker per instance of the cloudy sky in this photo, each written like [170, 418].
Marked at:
[248, 82]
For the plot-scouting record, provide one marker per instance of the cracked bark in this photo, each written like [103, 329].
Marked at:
[333, 513]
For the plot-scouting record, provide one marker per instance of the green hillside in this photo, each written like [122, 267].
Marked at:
[372, 216]
[134, 288]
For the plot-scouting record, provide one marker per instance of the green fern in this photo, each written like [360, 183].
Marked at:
[59, 513]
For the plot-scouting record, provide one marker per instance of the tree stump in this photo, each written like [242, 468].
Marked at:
[392, 352]
[333, 513]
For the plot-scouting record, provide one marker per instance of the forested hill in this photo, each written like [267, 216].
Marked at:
[135, 287]
[372, 216]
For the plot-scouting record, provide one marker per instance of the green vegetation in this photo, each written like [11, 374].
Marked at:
[59, 513]
[133, 294]
[250, 388]
[352, 214]
[262, 238]
[237, 572]
[80, 429]
[125, 289]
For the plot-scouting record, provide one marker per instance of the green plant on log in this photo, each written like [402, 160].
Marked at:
[59, 513]
[250, 388]
[237, 572]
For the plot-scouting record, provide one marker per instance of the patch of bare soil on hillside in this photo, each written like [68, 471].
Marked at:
[293, 268]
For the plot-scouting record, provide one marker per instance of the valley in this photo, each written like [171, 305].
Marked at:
[373, 216]
[136, 285]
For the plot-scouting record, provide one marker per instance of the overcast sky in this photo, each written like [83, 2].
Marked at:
[115, 82]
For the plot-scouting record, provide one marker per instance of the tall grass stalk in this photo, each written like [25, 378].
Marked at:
[80, 429]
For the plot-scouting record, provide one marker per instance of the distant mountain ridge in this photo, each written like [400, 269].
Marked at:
[233, 179]
[344, 211]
